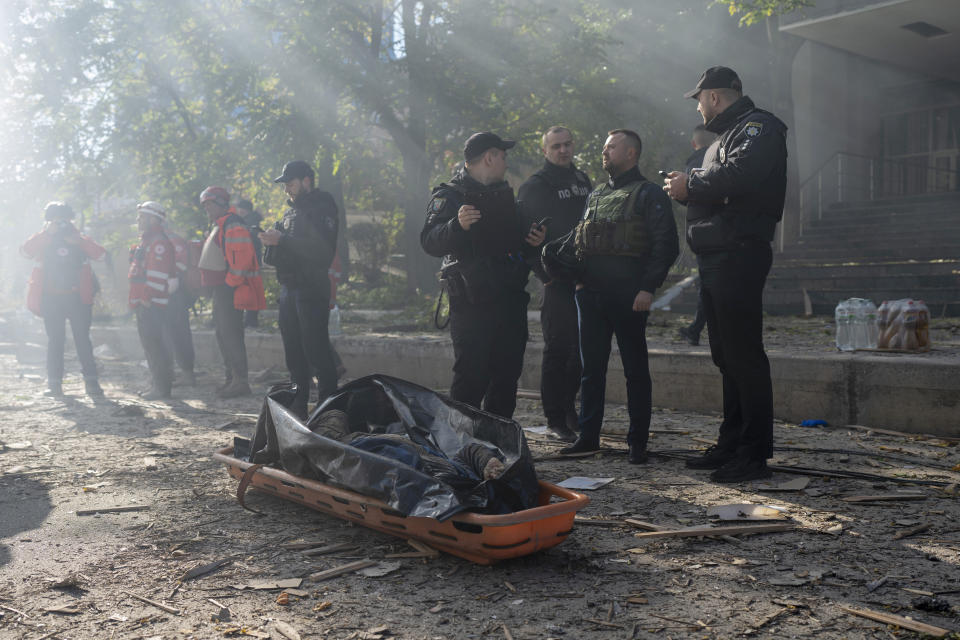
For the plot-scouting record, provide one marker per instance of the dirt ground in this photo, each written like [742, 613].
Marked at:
[67, 575]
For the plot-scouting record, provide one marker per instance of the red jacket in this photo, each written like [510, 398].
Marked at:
[51, 247]
[243, 265]
[152, 266]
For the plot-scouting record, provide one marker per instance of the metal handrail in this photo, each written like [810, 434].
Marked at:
[816, 174]
[847, 181]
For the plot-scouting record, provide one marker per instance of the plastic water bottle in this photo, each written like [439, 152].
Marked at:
[333, 327]
[872, 326]
[858, 338]
[842, 317]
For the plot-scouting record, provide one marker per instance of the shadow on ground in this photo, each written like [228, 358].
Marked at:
[24, 505]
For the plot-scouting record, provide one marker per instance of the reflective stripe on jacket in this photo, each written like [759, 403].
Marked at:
[152, 266]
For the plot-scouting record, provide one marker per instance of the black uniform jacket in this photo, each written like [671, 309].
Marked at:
[738, 197]
[695, 160]
[559, 193]
[442, 236]
[634, 274]
[309, 241]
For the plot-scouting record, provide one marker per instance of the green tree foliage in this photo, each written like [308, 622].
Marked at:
[122, 101]
[754, 11]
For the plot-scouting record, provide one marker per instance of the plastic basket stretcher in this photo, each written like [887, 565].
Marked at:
[483, 539]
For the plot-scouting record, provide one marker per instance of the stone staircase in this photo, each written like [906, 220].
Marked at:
[881, 250]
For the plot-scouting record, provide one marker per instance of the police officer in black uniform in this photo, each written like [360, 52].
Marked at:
[627, 241]
[301, 247]
[473, 223]
[733, 206]
[558, 191]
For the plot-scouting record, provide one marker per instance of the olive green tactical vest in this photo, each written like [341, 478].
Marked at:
[610, 227]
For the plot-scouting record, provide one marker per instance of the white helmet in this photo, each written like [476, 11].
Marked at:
[153, 208]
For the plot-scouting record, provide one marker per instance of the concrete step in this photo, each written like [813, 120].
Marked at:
[890, 241]
[943, 199]
[803, 269]
[888, 214]
[817, 254]
[784, 278]
[824, 301]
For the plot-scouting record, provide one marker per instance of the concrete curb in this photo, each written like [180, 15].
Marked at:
[906, 393]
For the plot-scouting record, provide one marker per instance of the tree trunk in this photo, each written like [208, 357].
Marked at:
[421, 268]
[416, 162]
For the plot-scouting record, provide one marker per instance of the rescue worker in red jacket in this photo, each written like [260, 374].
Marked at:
[153, 279]
[177, 327]
[230, 268]
[62, 288]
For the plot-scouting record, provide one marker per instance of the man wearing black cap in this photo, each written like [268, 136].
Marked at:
[301, 247]
[733, 206]
[558, 191]
[472, 222]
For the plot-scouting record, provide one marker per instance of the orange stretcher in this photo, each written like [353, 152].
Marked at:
[483, 539]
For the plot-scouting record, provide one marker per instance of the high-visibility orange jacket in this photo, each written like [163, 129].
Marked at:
[243, 265]
[152, 267]
[64, 254]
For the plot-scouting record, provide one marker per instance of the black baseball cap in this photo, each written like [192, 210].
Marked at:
[480, 142]
[716, 78]
[294, 171]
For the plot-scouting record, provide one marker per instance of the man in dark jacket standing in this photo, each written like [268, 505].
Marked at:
[473, 223]
[700, 140]
[627, 240]
[733, 206]
[558, 191]
[301, 248]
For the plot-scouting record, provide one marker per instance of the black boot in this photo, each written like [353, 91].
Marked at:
[92, 387]
[582, 445]
[742, 470]
[561, 431]
[54, 389]
[713, 458]
[693, 339]
[638, 455]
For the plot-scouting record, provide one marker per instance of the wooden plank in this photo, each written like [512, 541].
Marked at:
[90, 512]
[422, 547]
[331, 548]
[886, 497]
[204, 569]
[692, 532]
[158, 605]
[912, 531]
[649, 526]
[338, 571]
[899, 621]
[902, 434]
[301, 546]
[597, 522]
